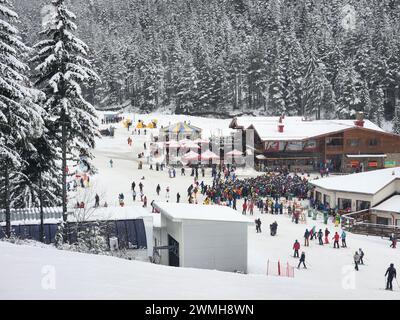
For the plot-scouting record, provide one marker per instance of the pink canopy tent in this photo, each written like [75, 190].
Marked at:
[209, 155]
[190, 156]
[234, 153]
[172, 144]
[190, 145]
[202, 141]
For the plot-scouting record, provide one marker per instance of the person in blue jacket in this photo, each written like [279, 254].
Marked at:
[344, 245]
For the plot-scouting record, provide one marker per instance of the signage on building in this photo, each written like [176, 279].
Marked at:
[372, 164]
[390, 164]
[354, 163]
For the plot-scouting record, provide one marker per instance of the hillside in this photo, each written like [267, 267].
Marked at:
[307, 57]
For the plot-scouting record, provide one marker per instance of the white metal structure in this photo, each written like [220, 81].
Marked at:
[203, 236]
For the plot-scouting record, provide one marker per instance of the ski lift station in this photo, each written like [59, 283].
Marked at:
[201, 236]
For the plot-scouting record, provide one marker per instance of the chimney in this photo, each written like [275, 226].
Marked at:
[280, 127]
[359, 119]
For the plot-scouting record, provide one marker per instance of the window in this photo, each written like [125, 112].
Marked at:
[353, 142]
[362, 205]
[344, 204]
[331, 141]
[373, 142]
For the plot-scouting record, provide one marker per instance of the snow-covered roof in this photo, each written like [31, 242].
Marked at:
[186, 211]
[391, 205]
[366, 155]
[364, 182]
[296, 128]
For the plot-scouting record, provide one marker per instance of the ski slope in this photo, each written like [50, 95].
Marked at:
[330, 273]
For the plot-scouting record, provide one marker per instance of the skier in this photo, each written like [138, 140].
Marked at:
[306, 236]
[343, 236]
[302, 260]
[183, 171]
[178, 197]
[111, 163]
[336, 238]
[96, 201]
[134, 195]
[141, 186]
[133, 185]
[361, 253]
[258, 225]
[296, 248]
[356, 260]
[390, 273]
[167, 193]
[158, 189]
[320, 235]
[326, 236]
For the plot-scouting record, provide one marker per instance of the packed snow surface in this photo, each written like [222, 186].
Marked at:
[35, 271]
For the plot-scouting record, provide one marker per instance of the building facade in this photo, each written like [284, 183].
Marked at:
[339, 145]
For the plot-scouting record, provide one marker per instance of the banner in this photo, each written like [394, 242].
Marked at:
[372, 164]
[354, 163]
[272, 146]
[310, 145]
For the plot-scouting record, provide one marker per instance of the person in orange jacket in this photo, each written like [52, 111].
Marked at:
[336, 238]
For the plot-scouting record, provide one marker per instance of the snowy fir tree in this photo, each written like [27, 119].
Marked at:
[396, 120]
[20, 116]
[61, 69]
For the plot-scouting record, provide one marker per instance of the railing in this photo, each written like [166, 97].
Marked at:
[32, 214]
[357, 222]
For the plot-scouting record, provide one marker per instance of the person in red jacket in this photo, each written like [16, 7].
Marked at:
[244, 207]
[326, 236]
[296, 248]
[336, 238]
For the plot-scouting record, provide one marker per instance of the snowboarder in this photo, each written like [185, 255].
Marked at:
[302, 260]
[361, 253]
[296, 248]
[158, 189]
[390, 273]
[343, 236]
[336, 238]
[356, 260]
[258, 225]
[306, 236]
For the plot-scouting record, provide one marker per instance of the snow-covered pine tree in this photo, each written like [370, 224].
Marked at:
[18, 113]
[62, 67]
[396, 119]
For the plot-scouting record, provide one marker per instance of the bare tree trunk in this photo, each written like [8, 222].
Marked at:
[7, 198]
[64, 164]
